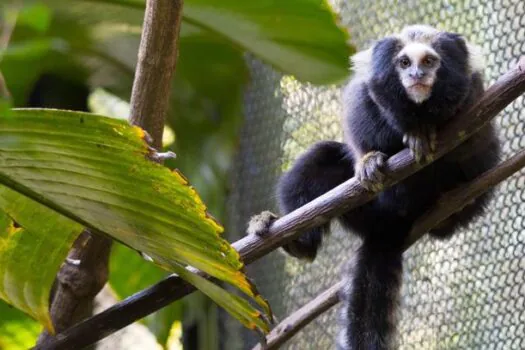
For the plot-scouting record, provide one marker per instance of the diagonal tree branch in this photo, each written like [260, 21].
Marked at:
[292, 324]
[340, 199]
[86, 269]
[453, 201]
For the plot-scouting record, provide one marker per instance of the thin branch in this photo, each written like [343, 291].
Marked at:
[331, 204]
[4, 91]
[7, 28]
[457, 198]
[292, 324]
[156, 64]
[78, 283]
[452, 202]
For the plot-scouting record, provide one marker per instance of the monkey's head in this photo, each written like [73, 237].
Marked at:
[418, 65]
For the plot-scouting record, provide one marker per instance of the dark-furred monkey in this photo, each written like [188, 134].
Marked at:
[404, 89]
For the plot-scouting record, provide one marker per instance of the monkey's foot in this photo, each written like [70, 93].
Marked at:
[422, 142]
[368, 170]
[259, 224]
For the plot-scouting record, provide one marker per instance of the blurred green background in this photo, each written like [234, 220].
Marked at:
[81, 55]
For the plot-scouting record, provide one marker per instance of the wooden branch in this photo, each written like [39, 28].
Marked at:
[156, 63]
[4, 91]
[7, 28]
[350, 194]
[86, 269]
[455, 200]
[292, 324]
[78, 281]
[331, 204]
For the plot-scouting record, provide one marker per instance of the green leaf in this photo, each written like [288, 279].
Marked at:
[129, 274]
[5, 106]
[17, 330]
[29, 49]
[36, 16]
[299, 37]
[237, 307]
[95, 171]
[33, 244]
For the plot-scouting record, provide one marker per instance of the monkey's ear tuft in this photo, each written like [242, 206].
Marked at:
[361, 62]
[383, 55]
[476, 58]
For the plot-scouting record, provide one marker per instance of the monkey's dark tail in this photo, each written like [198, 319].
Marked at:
[370, 298]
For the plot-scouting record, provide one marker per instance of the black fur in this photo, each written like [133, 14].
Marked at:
[378, 113]
[324, 166]
[371, 294]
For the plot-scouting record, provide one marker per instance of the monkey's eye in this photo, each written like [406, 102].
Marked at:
[404, 63]
[429, 61]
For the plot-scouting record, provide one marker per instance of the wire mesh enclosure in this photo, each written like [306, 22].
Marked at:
[466, 293]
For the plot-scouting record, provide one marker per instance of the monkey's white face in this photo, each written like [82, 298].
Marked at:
[417, 64]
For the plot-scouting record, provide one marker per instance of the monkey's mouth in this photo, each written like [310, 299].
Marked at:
[418, 92]
[419, 86]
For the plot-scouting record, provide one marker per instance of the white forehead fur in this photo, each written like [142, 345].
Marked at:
[418, 33]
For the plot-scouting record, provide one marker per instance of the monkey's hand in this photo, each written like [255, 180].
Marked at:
[259, 224]
[422, 142]
[368, 170]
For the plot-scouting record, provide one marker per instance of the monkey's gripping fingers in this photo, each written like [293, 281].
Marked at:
[259, 224]
[422, 142]
[369, 170]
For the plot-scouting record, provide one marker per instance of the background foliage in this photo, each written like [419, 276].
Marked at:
[58, 52]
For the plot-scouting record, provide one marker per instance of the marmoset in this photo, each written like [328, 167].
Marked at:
[403, 91]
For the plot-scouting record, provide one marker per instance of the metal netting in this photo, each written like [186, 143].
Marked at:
[466, 293]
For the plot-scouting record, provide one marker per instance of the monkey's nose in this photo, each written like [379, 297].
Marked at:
[417, 74]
